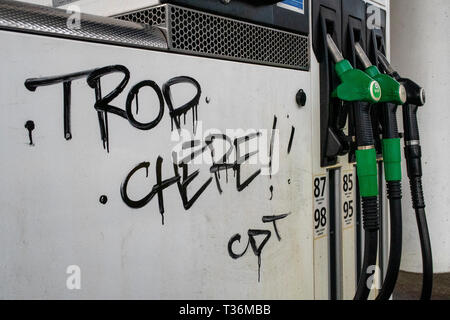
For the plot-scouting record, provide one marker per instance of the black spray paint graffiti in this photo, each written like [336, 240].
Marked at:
[103, 102]
[252, 234]
[30, 126]
[177, 113]
[182, 178]
[66, 80]
[185, 178]
[272, 140]
[291, 140]
[157, 189]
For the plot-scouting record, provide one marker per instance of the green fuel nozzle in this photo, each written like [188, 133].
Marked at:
[356, 85]
[393, 91]
[360, 88]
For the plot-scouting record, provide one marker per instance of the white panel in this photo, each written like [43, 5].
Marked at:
[50, 209]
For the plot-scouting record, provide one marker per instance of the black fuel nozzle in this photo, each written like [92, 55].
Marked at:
[415, 94]
[413, 150]
[415, 98]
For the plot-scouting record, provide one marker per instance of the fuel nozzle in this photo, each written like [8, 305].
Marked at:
[415, 98]
[356, 85]
[394, 94]
[363, 91]
[393, 91]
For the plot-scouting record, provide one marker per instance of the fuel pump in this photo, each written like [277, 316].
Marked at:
[394, 94]
[356, 86]
[415, 98]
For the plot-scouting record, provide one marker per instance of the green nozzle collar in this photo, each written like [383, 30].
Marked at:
[392, 159]
[366, 166]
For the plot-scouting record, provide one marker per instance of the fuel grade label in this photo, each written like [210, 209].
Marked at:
[320, 207]
[348, 198]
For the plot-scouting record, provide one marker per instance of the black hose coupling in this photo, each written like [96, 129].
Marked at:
[394, 190]
[371, 217]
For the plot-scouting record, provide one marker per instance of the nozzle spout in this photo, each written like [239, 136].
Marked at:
[385, 63]
[362, 56]
[335, 52]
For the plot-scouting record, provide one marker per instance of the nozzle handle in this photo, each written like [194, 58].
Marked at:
[410, 124]
[363, 124]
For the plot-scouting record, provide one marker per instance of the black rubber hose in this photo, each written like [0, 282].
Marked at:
[427, 258]
[425, 242]
[371, 227]
[371, 219]
[413, 155]
[394, 193]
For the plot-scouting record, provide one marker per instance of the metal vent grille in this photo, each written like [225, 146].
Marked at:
[44, 20]
[198, 33]
[152, 16]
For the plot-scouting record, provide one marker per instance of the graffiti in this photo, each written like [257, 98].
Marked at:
[184, 179]
[291, 139]
[272, 140]
[103, 103]
[184, 182]
[177, 113]
[252, 234]
[33, 83]
[30, 126]
[183, 174]
[157, 189]
[220, 165]
[274, 219]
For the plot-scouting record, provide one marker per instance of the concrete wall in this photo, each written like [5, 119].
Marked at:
[420, 49]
